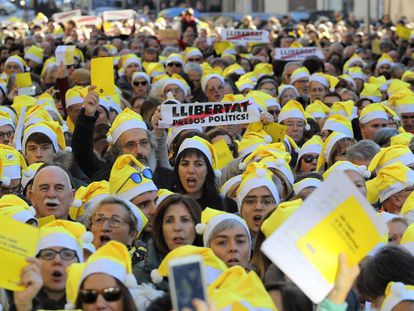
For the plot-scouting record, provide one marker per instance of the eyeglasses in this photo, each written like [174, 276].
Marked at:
[109, 294]
[50, 254]
[137, 177]
[132, 145]
[6, 190]
[4, 134]
[143, 83]
[174, 64]
[196, 60]
[114, 221]
[308, 158]
[264, 201]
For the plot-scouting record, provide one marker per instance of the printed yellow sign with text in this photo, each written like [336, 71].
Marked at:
[224, 155]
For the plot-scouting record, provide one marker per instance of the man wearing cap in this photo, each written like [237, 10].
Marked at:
[372, 118]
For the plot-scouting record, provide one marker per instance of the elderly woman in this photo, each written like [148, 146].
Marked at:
[213, 87]
[227, 235]
[293, 117]
[318, 86]
[286, 93]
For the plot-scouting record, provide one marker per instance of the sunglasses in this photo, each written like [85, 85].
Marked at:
[137, 177]
[308, 158]
[143, 83]
[174, 64]
[109, 294]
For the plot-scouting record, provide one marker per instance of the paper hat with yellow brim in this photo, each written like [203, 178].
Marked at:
[163, 194]
[357, 73]
[347, 166]
[86, 198]
[327, 147]
[313, 145]
[389, 155]
[211, 218]
[371, 92]
[299, 73]
[263, 99]
[372, 112]
[392, 179]
[293, 109]
[339, 123]
[205, 147]
[52, 129]
[317, 109]
[381, 81]
[230, 185]
[306, 183]
[395, 293]
[239, 290]
[17, 60]
[16, 208]
[64, 233]
[255, 176]
[214, 267]
[385, 59]
[121, 183]
[234, 68]
[34, 53]
[328, 81]
[251, 140]
[29, 172]
[175, 58]
[75, 96]
[402, 139]
[344, 108]
[129, 59]
[407, 240]
[191, 51]
[282, 212]
[126, 120]
[207, 77]
[402, 102]
[11, 164]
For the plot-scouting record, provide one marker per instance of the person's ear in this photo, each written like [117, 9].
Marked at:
[132, 236]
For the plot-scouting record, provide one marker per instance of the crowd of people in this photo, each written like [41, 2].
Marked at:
[127, 196]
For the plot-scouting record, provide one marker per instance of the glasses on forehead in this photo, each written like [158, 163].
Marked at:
[137, 177]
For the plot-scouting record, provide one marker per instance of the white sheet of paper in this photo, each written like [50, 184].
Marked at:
[281, 247]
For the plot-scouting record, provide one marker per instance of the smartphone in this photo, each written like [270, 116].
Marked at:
[186, 281]
[29, 90]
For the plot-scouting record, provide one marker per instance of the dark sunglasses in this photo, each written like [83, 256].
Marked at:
[308, 158]
[174, 64]
[109, 294]
[137, 177]
[143, 83]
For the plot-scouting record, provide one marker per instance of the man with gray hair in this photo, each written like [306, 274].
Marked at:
[287, 71]
[194, 72]
[362, 152]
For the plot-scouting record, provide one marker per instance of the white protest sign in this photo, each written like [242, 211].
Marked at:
[118, 15]
[65, 54]
[209, 114]
[245, 35]
[88, 20]
[293, 54]
[66, 16]
[336, 218]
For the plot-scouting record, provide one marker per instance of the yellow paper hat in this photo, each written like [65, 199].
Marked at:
[402, 139]
[207, 77]
[234, 68]
[212, 264]
[51, 61]
[263, 69]
[73, 283]
[221, 46]
[327, 147]
[357, 73]
[317, 109]
[36, 114]
[372, 92]
[386, 156]
[123, 185]
[230, 184]
[381, 81]
[392, 179]
[111, 48]
[293, 109]
[385, 59]
[372, 112]
[395, 293]
[129, 59]
[299, 73]
[408, 75]
[35, 54]
[163, 194]
[344, 108]
[64, 233]
[78, 54]
[86, 197]
[313, 145]
[52, 129]
[306, 183]
[46, 100]
[175, 57]
[263, 99]
[112, 259]
[255, 176]
[29, 172]
[291, 144]
[177, 80]
[6, 120]
[402, 102]
[17, 60]
[126, 120]
[153, 69]
[339, 123]
[11, 164]
[244, 84]
[191, 51]
[353, 61]
[347, 166]
[348, 79]
[14, 207]
[238, 290]
[74, 96]
[407, 240]
[282, 212]
[251, 140]
[326, 80]
[21, 101]
[250, 75]
[210, 218]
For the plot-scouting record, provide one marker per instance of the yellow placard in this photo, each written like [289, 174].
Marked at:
[376, 46]
[17, 242]
[276, 131]
[403, 32]
[346, 229]
[23, 79]
[102, 75]
[224, 155]
[45, 220]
